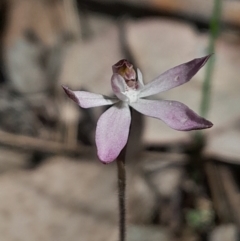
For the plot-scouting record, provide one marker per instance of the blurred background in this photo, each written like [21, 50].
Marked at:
[180, 185]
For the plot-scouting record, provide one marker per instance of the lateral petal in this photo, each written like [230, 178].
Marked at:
[87, 99]
[112, 132]
[174, 77]
[175, 114]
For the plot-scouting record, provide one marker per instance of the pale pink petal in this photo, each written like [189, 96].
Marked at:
[175, 114]
[112, 132]
[119, 86]
[86, 99]
[174, 77]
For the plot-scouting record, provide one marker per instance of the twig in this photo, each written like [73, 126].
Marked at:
[215, 182]
[36, 144]
[232, 192]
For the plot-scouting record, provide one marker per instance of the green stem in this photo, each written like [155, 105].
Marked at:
[206, 88]
[214, 31]
[122, 194]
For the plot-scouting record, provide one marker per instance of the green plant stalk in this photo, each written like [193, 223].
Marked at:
[214, 32]
[206, 88]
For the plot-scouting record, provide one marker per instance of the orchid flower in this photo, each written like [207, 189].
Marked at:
[113, 125]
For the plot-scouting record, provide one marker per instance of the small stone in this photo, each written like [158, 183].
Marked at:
[148, 233]
[11, 160]
[88, 64]
[36, 36]
[141, 201]
[16, 116]
[224, 145]
[165, 172]
[61, 200]
[226, 232]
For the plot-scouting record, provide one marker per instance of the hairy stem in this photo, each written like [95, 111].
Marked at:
[122, 194]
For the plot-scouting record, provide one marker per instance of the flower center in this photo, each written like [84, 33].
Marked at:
[132, 95]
